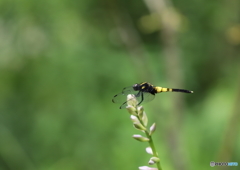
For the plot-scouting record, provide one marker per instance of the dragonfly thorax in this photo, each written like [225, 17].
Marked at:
[144, 87]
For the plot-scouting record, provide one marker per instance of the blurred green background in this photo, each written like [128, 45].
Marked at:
[61, 62]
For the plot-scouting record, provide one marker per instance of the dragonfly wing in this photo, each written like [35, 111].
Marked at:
[119, 98]
[122, 97]
[128, 101]
[144, 97]
[128, 90]
[141, 97]
[124, 105]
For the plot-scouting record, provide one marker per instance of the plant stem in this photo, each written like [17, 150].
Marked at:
[153, 149]
[151, 144]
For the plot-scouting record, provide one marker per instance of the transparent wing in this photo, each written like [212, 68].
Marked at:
[141, 97]
[124, 105]
[119, 98]
[128, 90]
[122, 97]
[144, 97]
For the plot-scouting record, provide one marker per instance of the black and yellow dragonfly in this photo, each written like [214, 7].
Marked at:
[143, 92]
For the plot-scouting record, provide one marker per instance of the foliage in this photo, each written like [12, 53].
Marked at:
[61, 63]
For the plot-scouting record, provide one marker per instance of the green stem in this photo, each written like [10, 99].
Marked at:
[153, 149]
[151, 143]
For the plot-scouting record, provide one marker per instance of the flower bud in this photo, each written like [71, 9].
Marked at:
[151, 162]
[140, 111]
[145, 118]
[155, 159]
[146, 168]
[139, 126]
[152, 128]
[131, 100]
[131, 110]
[134, 119]
[140, 138]
[149, 150]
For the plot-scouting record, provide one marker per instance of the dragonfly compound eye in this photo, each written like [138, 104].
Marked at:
[136, 87]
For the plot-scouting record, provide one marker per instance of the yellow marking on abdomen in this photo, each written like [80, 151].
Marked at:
[162, 89]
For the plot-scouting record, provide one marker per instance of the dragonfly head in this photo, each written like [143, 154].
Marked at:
[136, 87]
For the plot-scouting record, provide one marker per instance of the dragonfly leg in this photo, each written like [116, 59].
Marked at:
[142, 98]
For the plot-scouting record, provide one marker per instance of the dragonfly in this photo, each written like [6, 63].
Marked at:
[143, 92]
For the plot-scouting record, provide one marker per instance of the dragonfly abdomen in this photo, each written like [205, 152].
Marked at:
[163, 89]
[182, 90]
